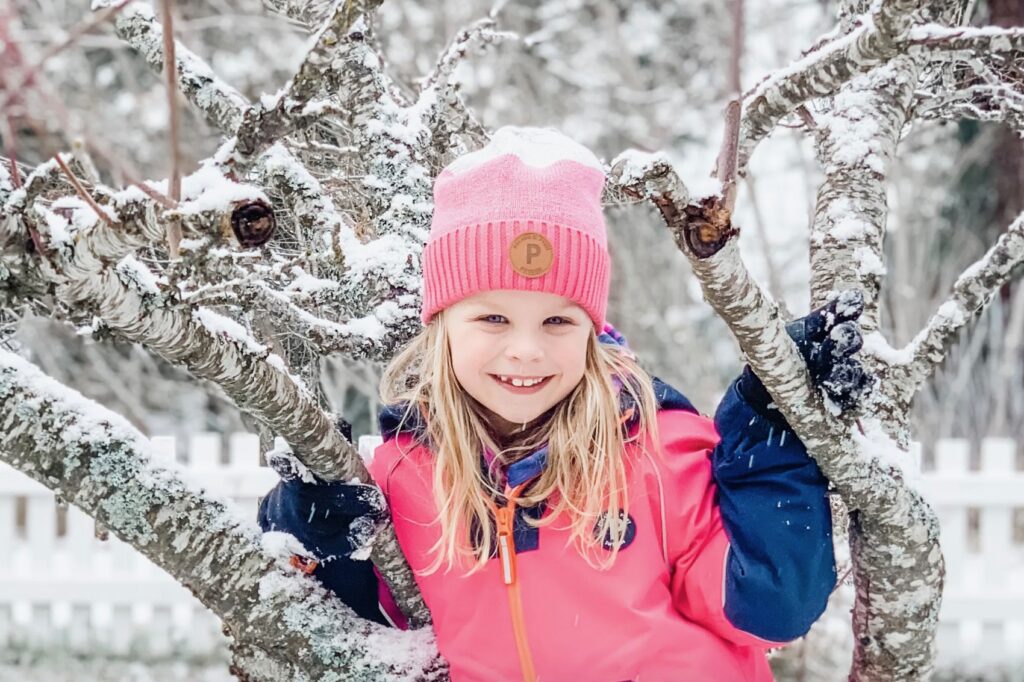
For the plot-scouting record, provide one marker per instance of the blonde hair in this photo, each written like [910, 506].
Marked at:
[587, 469]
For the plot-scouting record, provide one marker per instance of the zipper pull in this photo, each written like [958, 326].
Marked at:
[504, 517]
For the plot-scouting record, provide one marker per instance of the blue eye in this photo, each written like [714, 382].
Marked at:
[487, 318]
[562, 321]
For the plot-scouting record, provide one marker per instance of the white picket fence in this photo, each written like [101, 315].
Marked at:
[981, 510]
[62, 587]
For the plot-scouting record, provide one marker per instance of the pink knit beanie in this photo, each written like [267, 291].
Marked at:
[523, 212]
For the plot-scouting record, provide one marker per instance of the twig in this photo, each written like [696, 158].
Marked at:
[726, 166]
[171, 78]
[86, 197]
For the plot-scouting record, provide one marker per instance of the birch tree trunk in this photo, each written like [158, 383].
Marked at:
[95, 257]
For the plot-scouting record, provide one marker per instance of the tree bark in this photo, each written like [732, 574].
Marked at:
[284, 625]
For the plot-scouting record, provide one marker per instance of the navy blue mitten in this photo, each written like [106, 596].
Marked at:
[827, 339]
[336, 521]
[330, 518]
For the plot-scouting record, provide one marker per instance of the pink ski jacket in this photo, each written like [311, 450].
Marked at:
[545, 614]
[728, 551]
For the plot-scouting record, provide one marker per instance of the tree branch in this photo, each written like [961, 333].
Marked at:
[895, 637]
[221, 104]
[972, 291]
[208, 345]
[262, 125]
[938, 41]
[100, 463]
[876, 38]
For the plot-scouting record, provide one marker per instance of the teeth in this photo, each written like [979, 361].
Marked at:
[520, 382]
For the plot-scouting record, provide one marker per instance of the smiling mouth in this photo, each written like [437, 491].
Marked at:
[521, 389]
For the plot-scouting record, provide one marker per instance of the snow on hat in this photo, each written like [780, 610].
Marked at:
[524, 212]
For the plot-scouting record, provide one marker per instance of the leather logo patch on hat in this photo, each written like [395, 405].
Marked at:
[531, 254]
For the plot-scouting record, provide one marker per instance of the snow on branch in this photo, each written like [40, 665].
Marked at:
[972, 291]
[875, 38]
[94, 459]
[269, 121]
[936, 40]
[222, 105]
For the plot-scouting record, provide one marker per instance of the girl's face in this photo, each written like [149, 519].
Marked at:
[519, 335]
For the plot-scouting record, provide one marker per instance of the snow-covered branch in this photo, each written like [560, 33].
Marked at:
[115, 224]
[362, 338]
[439, 93]
[369, 272]
[895, 635]
[998, 102]
[222, 105]
[284, 624]
[322, 67]
[938, 41]
[79, 263]
[392, 142]
[978, 83]
[972, 291]
[874, 39]
[856, 142]
[480, 33]
[378, 277]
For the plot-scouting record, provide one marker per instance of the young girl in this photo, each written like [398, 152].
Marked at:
[568, 516]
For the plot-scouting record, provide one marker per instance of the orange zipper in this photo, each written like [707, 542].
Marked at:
[504, 519]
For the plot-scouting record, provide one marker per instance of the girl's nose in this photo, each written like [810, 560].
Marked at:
[524, 350]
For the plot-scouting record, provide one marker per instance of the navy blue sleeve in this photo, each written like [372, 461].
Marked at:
[775, 510]
[319, 515]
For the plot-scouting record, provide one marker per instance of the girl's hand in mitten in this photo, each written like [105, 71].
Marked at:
[332, 518]
[336, 522]
[827, 339]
